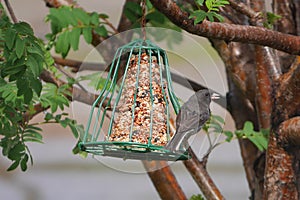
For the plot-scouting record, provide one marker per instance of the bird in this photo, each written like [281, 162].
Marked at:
[191, 117]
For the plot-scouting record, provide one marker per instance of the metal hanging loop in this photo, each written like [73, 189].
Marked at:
[143, 19]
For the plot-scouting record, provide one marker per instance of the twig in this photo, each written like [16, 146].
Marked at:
[244, 9]
[11, 11]
[58, 3]
[80, 66]
[69, 76]
[110, 25]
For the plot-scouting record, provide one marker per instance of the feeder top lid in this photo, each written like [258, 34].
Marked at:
[142, 44]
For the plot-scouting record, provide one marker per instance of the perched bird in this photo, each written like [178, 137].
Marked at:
[191, 117]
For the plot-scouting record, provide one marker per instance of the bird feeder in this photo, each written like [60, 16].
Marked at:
[131, 118]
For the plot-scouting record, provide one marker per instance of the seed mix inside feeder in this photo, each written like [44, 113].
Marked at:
[139, 105]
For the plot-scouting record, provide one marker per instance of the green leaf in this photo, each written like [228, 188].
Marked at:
[103, 16]
[101, 30]
[82, 16]
[33, 65]
[219, 17]
[199, 2]
[87, 34]
[16, 151]
[62, 44]
[10, 35]
[24, 28]
[229, 135]
[14, 165]
[209, 4]
[134, 8]
[272, 17]
[248, 127]
[156, 16]
[36, 85]
[259, 139]
[48, 117]
[20, 46]
[32, 134]
[197, 197]
[28, 96]
[24, 163]
[218, 118]
[199, 16]
[133, 11]
[75, 38]
[95, 19]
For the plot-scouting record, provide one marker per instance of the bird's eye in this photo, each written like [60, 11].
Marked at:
[206, 94]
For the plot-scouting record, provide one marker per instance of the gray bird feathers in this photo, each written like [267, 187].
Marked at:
[191, 117]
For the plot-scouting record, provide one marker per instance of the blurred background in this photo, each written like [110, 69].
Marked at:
[58, 173]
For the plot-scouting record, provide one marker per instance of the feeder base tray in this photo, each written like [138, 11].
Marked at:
[131, 150]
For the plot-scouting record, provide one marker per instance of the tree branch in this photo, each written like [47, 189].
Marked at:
[164, 180]
[11, 11]
[202, 178]
[289, 131]
[229, 32]
[280, 177]
[286, 24]
[287, 97]
[263, 98]
[244, 9]
[80, 66]
[58, 3]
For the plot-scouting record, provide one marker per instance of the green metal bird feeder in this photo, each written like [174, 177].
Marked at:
[131, 117]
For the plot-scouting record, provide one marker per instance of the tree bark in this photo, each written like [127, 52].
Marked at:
[200, 175]
[164, 180]
[229, 32]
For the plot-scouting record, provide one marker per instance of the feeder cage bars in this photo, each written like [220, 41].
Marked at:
[139, 105]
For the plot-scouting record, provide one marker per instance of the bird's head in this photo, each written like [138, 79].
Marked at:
[205, 96]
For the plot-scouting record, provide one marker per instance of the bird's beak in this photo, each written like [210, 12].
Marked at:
[215, 96]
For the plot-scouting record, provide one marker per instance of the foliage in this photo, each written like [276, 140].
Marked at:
[271, 19]
[258, 138]
[23, 58]
[154, 18]
[96, 80]
[213, 6]
[197, 197]
[68, 24]
[55, 97]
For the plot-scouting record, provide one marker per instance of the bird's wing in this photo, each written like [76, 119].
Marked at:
[187, 120]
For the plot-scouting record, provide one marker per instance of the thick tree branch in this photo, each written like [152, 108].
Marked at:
[289, 131]
[202, 178]
[287, 97]
[164, 180]
[229, 32]
[264, 84]
[280, 177]
[286, 24]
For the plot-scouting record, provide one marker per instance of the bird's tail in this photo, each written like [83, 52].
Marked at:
[179, 142]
